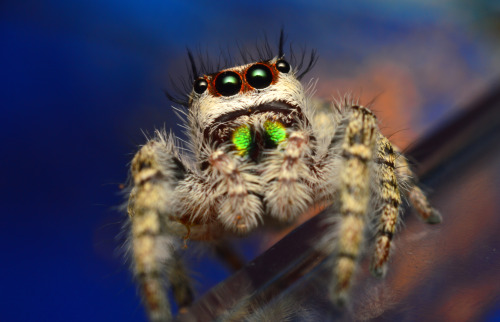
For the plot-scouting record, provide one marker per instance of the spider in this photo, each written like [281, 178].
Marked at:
[264, 152]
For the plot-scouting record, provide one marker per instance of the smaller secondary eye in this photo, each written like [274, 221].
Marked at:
[283, 66]
[228, 83]
[259, 76]
[200, 85]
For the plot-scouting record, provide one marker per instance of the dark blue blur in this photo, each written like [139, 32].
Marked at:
[81, 80]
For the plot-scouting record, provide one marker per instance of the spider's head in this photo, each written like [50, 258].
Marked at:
[247, 103]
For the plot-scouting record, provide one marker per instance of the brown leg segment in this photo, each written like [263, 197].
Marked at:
[390, 201]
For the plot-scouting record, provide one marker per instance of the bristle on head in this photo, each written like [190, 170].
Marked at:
[201, 64]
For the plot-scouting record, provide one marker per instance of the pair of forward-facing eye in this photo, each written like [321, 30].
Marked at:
[229, 83]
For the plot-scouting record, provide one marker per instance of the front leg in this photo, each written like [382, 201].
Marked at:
[156, 170]
[224, 195]
[235, 184]
[287, 176]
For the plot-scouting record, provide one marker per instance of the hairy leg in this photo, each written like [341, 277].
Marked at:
[180, 283]
[285, 172]
[388, 198]
[156, 169]
[356, 148]
[415, 195]
[238, 187]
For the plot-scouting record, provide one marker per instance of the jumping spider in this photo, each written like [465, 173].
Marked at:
[263, 151]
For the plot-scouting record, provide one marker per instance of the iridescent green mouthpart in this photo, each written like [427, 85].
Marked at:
[275, 131]
[242, 139]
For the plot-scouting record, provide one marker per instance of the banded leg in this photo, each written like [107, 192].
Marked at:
[241, 208]
[287, 193]
[389, 195]
[354, 195]
[155, 171]
[416, 196]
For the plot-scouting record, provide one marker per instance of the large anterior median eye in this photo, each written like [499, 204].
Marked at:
[228, 83]
[259, 76]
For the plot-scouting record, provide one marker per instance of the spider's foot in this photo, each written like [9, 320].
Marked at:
[339, 298]
[378, 270]
[435, 217]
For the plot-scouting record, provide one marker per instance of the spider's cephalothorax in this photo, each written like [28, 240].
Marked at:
[263, 151]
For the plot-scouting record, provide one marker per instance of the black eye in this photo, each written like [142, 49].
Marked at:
[228, 83]
[200, 85]
[282, 66]
[259, 76]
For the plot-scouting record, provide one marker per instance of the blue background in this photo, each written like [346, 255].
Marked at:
[82, 80]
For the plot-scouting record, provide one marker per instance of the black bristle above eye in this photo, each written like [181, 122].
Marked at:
[200, 63]
[176, 99]
[312, 61]
[194, 70]
[281, 52]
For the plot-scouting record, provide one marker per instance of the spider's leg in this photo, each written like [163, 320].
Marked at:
[388, 197]
[416, 196]
[228, 255]
[238, 188]
[356, 150]
[156, 170]
[180, 283]
[285, 171]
